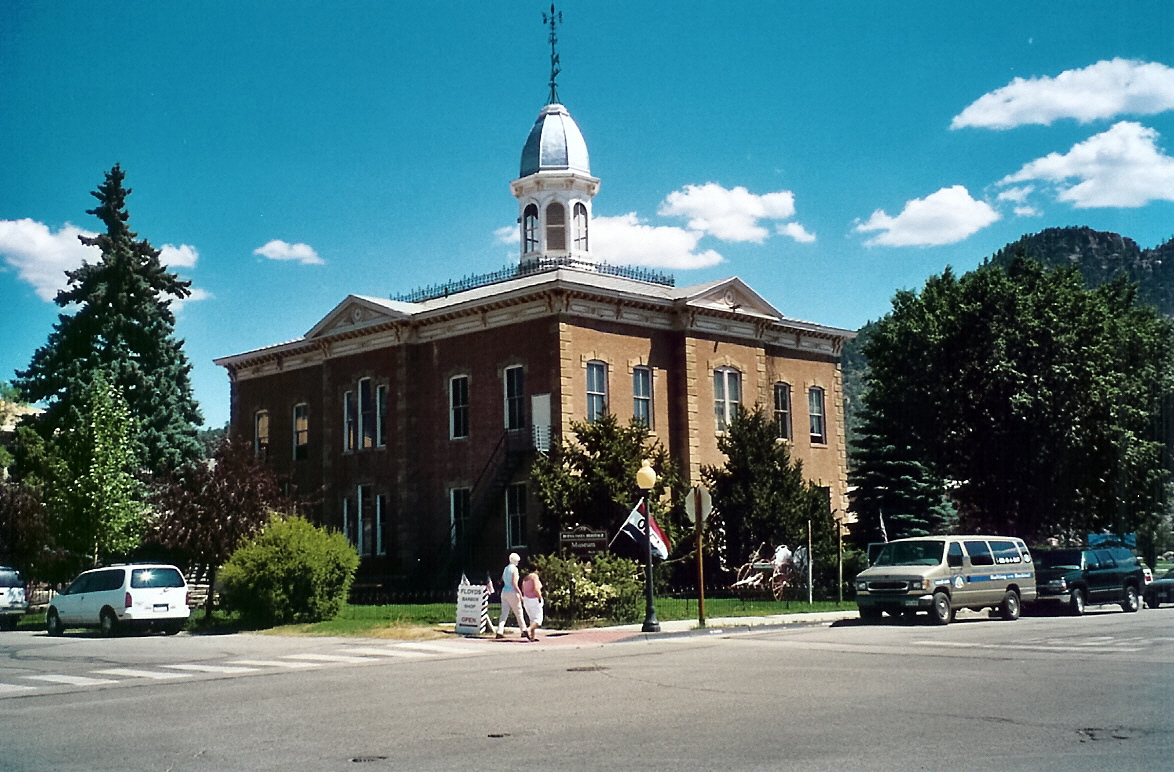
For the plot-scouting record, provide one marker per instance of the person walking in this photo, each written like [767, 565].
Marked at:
[511, 597]
[532, 599]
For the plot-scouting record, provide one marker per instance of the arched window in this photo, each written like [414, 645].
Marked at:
[530, 229]
[580, 227]
[556, 227]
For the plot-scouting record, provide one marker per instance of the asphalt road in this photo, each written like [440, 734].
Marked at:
[1094, 693]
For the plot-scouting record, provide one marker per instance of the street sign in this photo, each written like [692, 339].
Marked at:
[691, 503]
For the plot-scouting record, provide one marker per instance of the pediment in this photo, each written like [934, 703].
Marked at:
[732, 296]
[357, 312]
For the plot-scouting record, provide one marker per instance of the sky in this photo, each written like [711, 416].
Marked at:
[283, 155]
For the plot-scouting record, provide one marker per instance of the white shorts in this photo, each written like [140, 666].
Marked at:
[533, 608]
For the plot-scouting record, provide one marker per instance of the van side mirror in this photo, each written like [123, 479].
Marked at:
[954, 561]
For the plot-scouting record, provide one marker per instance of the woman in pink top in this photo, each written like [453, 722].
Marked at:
[532, 599]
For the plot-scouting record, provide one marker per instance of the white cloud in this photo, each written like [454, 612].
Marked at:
[797, 232]
[1016, 195]
[183, 256]
[625, 240]
[281, 250]
[1121, 167]
[945, 217]
[507, 234]
[42, 257]
[730, 215]
[1102, 90]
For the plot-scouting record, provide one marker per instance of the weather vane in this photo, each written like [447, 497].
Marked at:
[554, 18]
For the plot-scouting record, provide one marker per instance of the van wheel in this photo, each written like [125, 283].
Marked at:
[1152, 602]
[1131, 602]
[1009, 608]
[108, 623]
[53, 623]
[1076, 602]
[941, 613]
[870, 616]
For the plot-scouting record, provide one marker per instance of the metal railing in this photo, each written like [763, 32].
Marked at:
[444, 289]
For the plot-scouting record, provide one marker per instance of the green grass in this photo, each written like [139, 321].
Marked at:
[428, 620]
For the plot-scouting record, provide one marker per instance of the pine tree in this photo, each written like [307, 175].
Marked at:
[123, 327]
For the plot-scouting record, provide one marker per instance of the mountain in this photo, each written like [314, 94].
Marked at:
[1101, 256]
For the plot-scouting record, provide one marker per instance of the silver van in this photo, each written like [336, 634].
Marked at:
[941, 574]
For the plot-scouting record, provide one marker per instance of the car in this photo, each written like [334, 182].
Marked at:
[1077, 577]
[13, 601]
[1161, 590]
[941, 574]
[140, 596]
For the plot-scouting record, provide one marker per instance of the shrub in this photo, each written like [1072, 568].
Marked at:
[292, 572]
[607, 588]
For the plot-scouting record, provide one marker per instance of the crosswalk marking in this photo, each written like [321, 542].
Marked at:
[130, 672]
[325, 658]
[346, 655]
[71, 680]
[273, 663]
[213, 668]
[15, 688]
[367, 652]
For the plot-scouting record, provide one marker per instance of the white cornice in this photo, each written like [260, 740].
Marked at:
[727, 308]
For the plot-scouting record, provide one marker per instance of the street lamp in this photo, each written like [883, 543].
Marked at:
[646, 478]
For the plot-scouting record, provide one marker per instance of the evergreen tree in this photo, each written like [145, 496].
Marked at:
[896, 495]
[760, 494]
[591, 480]
[123, 327]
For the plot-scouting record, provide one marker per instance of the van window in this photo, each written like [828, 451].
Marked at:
[980, 553]
[1006, 552]
[911, 553]
[104, 581]
[155, 577]
[954, 555]
[10, 579]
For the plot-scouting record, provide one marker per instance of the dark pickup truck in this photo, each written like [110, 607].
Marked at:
[1079, 577]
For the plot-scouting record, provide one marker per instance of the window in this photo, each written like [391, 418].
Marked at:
[727, 395]
[366, 413]
[301, 432]
[515, 395]
[818, 422]
[261, 434]
[642, 395]
[381, 416]
[366, 532]
[458, 400]
[348, 529]
[350, 421]
[980, 553]
[580, 223]
[596, 390]
[515, 515]
[382, 526]
[556, 227]
[530, 229]
[460, 507]
[783, 410]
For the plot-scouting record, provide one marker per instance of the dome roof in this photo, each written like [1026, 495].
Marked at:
[555, 144]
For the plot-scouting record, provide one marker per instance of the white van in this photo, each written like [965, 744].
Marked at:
[941, 574]
[139, 595]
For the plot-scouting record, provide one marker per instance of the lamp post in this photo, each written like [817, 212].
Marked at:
[646, 478]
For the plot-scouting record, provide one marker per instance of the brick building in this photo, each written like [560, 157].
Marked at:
[415, 421]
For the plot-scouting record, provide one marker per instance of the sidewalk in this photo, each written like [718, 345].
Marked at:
[594, 636]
